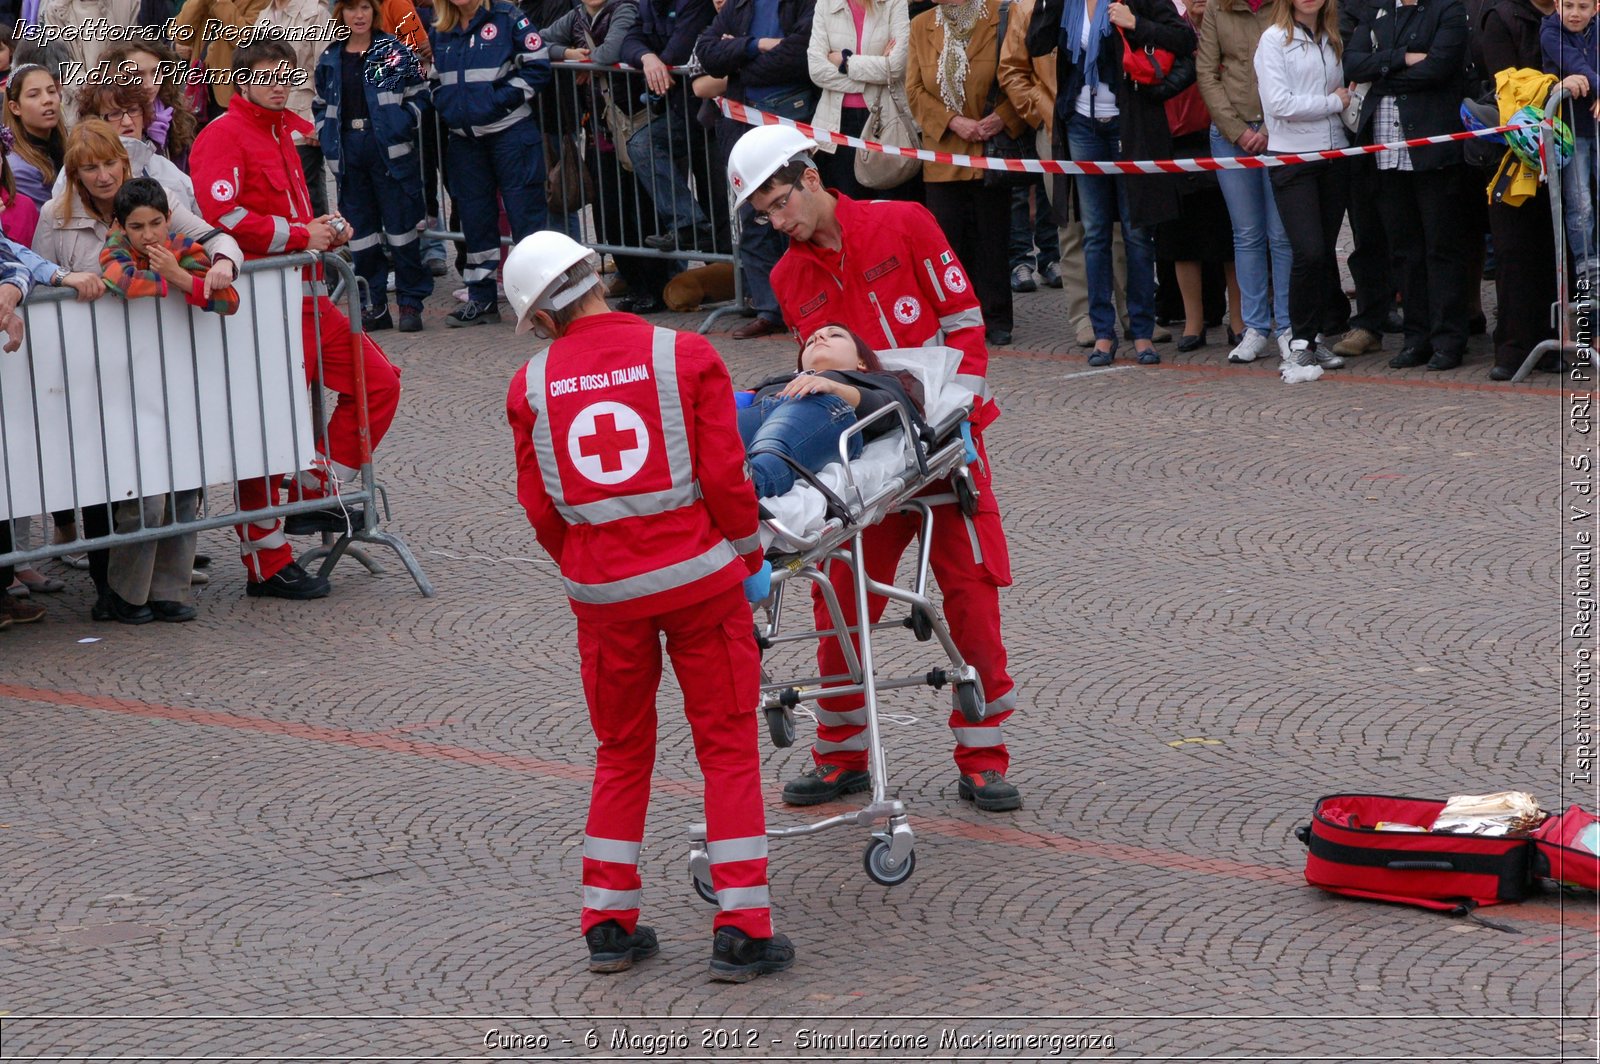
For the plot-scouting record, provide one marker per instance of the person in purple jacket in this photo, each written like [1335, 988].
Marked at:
[1569, 42]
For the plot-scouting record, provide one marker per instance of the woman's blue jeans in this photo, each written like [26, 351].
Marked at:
[1261, 253]
[807, 429]
[1104, 201]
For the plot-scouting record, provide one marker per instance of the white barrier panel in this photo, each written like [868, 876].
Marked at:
[203, 399]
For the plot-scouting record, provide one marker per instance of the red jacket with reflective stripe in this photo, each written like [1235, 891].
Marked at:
[631, 469]
[896, 283]
[248, 180]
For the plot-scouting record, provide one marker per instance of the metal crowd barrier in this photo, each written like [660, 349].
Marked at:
[156, 400]
[1584, 307]
[616, 212]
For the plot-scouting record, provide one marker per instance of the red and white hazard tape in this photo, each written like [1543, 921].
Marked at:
[751, 116]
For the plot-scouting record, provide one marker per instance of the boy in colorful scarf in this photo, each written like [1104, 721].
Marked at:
[142, 257]
[149, 581]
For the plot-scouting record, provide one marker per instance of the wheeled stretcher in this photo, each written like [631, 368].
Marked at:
[821, 520]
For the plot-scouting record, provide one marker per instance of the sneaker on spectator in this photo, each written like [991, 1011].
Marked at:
[1301, 353]
[1358, 341]
[1250, 348]
[376, 319]
[472, 313]
[410, 318]
[1326, 358]
[1023, 280]
[1051, 275]
[1285, 342]
[19, 611]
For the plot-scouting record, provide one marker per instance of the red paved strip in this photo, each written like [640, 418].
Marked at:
[989, 832]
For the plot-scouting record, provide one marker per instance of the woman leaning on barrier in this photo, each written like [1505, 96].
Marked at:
[72, 231]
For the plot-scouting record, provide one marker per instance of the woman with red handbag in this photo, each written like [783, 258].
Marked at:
[1201, 235]
[1111, 103]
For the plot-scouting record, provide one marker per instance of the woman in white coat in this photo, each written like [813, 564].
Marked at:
[1300, 75]
[857, 57]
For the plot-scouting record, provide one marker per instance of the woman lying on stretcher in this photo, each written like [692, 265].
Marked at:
[802, 415]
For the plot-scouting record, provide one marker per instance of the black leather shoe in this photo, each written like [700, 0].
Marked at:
[410, 319]
[1477, 325]
[332, 519]
[611, 949]
[998, 338]
[175, 612]
[990, 792]
[824, 783]
[1443, 361]
[1192, 343]
[641, 305]
[690, 237]
[1502, 373]
[375, 319]
[113, 607]
[1410, 358]
[1552, 362]
[738, 958]
[290, 582]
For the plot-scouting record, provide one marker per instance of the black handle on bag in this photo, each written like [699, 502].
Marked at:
[1438, 866]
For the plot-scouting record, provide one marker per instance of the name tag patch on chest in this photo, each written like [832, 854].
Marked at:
[811, 307]
[890, 263]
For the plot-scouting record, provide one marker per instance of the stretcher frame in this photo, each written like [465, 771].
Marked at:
[889, 857]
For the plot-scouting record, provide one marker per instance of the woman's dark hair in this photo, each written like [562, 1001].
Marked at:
[94, 95]
[864, 351]
[140, 192]
[185, 126]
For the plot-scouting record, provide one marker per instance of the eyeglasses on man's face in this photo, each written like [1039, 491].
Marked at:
[776, 207]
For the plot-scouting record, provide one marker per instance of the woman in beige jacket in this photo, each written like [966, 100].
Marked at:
[1226, 73]
[857, 57]
[951, 82]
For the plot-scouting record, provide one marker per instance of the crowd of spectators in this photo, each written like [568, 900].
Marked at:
[421, 115]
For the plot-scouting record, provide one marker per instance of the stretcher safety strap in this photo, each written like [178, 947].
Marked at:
[612, 851]
[752, 116]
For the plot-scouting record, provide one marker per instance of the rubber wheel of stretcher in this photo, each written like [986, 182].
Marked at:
[920, 623]
[707, 895]
[780, 727]
[966, 496]
[969, 702]
[875, 860]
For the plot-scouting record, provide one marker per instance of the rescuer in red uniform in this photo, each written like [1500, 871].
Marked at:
[631, 469]
[885, 269]
[248, 182]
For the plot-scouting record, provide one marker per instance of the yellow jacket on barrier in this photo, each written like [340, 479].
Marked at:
[1516, 88]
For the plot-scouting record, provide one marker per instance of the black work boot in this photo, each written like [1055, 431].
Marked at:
[989, 791]
[611, 949]
[824, 783]
[738, 958]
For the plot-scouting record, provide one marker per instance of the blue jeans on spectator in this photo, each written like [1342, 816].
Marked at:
[1035, 233]
[1262, 257]
[1104, 201]
[807, 429]
[760, 248]
[656, 151]
[1577, 207]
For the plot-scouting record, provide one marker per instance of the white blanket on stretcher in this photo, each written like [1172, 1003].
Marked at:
[803, 508]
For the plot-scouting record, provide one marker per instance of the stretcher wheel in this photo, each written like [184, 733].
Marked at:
[780, 727]
[969, 701]
[876, 859]
[966, 496]
[707, 895]
[920, 623]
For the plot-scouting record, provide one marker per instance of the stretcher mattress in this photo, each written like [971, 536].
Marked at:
[803, 508]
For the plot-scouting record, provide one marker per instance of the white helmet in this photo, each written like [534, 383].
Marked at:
[760, 153]
[533, 273]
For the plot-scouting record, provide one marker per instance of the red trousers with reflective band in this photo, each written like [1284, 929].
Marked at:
[713, 651]
[971, 564]
[262, 545]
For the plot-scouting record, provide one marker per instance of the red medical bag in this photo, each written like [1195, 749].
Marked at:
[1557, 854]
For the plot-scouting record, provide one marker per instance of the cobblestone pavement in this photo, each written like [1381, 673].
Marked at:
[1232, 597]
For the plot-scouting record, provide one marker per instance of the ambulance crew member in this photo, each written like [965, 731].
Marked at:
[248, 182]
[489, 64]
[885, 269]
[630, 467]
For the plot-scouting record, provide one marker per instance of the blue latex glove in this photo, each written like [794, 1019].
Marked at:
[758, 585]
[972, 448]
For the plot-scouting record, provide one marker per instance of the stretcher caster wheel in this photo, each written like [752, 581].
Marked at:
[781, 727]
[920, 623]
[879, 867]
[703, 889]
[966, 496]
[969, 701]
